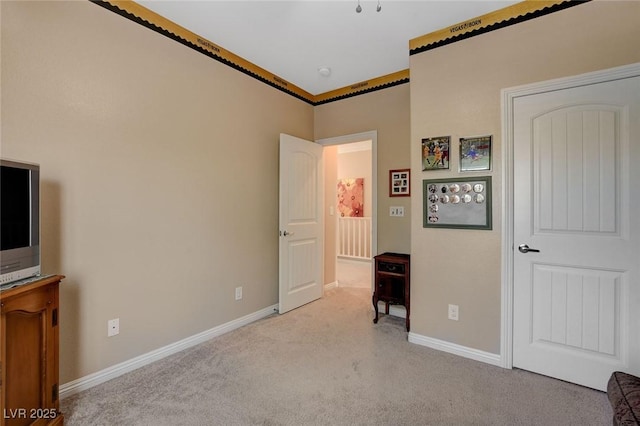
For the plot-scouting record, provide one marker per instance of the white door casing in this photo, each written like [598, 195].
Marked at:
[300, 222]
[576, 199]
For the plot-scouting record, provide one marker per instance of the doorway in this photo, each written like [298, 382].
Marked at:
[350, 222]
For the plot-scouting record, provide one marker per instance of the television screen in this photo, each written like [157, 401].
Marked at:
[15, 210]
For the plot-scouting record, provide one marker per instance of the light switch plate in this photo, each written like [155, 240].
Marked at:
[396, 211]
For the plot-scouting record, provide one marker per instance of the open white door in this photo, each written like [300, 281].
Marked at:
[301, 222]
[576, 192]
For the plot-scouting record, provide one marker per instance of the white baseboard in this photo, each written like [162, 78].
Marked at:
[354, 260]
[452, 348]
[329, 286]
[94, 379]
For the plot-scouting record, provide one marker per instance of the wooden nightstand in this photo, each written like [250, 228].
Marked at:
[392, 282]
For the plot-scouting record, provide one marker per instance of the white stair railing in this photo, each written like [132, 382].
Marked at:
[354, 237]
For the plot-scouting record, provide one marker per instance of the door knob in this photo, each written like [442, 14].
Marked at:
[523, 248]
[286, 234]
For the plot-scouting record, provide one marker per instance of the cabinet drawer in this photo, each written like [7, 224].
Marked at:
[394, 268]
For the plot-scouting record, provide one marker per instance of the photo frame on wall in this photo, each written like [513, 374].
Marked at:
[475, 153]
[400, 183]
[435, 153]
[461, 203]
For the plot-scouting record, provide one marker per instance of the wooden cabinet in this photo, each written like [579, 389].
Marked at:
[29, 354]
[392, 282]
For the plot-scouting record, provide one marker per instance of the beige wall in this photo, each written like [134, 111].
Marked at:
[159, 177]
[455, 90]
[387, 112]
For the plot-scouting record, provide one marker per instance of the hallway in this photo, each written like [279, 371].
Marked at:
[353, 273]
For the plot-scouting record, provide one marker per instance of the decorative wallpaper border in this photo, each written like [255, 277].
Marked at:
[143, 16]
[510, 15]
[367, 86]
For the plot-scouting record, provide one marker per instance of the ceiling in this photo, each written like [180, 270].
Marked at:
[293, 39]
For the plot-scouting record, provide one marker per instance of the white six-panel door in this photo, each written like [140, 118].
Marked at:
[301, 222]
[576, 306]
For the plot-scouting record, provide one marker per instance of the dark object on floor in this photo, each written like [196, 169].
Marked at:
[623, 391]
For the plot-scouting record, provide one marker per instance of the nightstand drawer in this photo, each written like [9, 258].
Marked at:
[394, 268]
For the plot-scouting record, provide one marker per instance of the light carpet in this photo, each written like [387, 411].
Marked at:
[350, 273]
[326, 363]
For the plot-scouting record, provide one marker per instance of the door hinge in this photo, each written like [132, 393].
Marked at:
[54, 318]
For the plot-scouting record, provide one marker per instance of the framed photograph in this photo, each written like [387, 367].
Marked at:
[462, 203]
[475, 154]
[435, 153]
[399, 183]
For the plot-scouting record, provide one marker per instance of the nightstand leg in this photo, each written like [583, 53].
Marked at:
[374, 300]
[408, 313]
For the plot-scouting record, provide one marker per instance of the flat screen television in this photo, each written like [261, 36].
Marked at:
[19, 221]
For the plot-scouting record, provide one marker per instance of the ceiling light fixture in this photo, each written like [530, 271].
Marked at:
[359, 8]
[324, 71]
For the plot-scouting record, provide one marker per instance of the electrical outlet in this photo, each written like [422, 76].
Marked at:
[238, 293]
[396, 211]
[453, 312]
[113, 327]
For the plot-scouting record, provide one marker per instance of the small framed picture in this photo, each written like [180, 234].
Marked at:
[399, 183]
[475, 154]
[435, 153]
